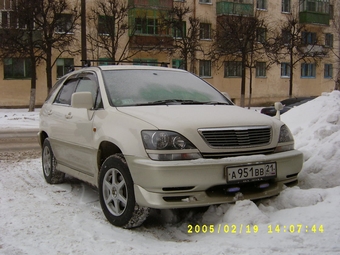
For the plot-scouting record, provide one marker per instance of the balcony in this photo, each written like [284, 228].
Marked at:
[147, 41]
[225, 7]
[152, 4]
[314, 18]
[314, 12]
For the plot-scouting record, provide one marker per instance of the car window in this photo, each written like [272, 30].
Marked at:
[65, 94]
[55, 87]
[137, 87]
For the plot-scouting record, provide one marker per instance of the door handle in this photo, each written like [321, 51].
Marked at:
[69, 116]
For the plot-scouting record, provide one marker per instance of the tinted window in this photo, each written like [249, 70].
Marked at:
[65, 94]
[88, 82]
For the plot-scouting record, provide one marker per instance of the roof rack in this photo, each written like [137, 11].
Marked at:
[88, 62]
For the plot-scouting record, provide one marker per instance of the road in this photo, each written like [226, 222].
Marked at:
[18, 140]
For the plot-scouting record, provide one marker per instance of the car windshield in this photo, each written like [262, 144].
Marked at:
[154, 87]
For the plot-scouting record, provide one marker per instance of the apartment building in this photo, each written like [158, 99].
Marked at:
[147, 39]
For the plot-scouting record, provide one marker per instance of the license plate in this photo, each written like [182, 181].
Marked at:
[251, 172]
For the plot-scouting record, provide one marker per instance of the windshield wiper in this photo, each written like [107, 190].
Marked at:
[171, 102]
[180, 102]
[217, 103]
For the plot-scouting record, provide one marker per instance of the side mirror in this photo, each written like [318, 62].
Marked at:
[278, 107]
[82, 100]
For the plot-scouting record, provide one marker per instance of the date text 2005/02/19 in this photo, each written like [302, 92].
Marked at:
[253, 229]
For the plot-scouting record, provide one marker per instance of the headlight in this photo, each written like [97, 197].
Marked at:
[167, 145]
[285, 135]
[286, 140]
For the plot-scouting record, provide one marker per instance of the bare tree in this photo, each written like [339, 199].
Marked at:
[241, 38]
[336, 51]
[298, 44]
[21, 39]
[186, 30]
[109, 19]
[57, 21]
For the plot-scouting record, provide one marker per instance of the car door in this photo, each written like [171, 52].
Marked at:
[72, 130]
[59, 122]
[81, 127]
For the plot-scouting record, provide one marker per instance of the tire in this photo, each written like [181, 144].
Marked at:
[51, 174]
[116, 194]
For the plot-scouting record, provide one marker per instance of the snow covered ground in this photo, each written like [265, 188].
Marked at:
[37, 218]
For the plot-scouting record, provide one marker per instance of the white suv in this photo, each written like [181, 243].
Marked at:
[155, 137]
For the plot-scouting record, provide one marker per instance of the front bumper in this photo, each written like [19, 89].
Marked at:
[202, 182]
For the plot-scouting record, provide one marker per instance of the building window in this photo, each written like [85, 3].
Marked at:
[5, 4]
[64, 66]
[17, 68]
[261, 69]
[286, 36]
[285, 7]
[205, 31]
[331, 11]
[329, 40]
[147, 26]
[4, 19]
[308, 70]
[63, 23]
[205, 1]
[178, 63]
[261, 34]
[285, 70]
[179, 29]
[328, 71]
[261, 4]
[319, 6]
[106, 25]
[105, 62]
[308, 38]
[233, 69]
[145, 62]
[205, 68]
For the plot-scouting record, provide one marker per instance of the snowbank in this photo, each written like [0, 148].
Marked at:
[316, 129]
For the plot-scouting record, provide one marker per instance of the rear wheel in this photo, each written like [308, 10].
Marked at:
[51, 174]
[116, 194]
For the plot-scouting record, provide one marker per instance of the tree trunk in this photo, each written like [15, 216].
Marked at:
[291, 74]
[49, 69]
[243, 81]
[32, 100]
[33, 73]
[250, 86]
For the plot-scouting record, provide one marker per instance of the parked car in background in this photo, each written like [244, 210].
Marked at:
[287, 105]
[155, 137]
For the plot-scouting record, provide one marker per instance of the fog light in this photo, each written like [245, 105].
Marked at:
[233, 189]
[263, 185]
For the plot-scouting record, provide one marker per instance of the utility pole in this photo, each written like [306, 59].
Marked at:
[83, 32]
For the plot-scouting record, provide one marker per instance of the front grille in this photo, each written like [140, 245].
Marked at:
[237, 137]
[237, 153]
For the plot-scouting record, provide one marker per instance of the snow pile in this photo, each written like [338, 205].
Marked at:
[316, 129]
[18, 119]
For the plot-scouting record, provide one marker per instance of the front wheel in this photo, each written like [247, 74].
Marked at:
[116, 194]
[51, 174]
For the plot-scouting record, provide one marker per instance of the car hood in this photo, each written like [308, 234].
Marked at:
[191, 117]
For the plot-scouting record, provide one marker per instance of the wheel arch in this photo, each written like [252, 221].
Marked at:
[42, 136]
[105, 150]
